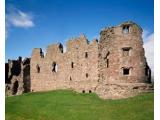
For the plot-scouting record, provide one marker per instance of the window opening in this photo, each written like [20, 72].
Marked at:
[86, 54]
[126, 71]
[107, 63]
[54, 67]
[86, 75]
[126, 51]
[70, 78]
[126, 29]
[83, 91]
[38, 68]
[72, 64]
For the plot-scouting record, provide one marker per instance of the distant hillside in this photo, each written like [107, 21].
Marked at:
[69, 105]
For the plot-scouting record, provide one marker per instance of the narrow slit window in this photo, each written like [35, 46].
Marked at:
[86, 54]
[70, 78]
[72, 65]
[107, 63]
[38, 68]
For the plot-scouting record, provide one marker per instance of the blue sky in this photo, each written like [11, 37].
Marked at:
[38, 23]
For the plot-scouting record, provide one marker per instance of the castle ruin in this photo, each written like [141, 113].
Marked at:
[113, 67]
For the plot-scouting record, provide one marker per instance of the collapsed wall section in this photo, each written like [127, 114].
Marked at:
[17, 76]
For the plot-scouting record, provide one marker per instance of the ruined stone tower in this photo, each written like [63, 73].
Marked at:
[122, 57]
[122, 64]
[114, 67]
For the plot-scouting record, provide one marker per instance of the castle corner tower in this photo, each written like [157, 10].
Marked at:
[121, 58]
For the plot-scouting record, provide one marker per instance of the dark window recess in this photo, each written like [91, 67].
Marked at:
[72, 64]
[126, 51]
[90, 91]
[86, 54]
[107, 63]
[70, 78]
[54, 67]
[86, 75]
[125, 29]
[83, 91]
[126, 71]
[136, 87]
[38, 68]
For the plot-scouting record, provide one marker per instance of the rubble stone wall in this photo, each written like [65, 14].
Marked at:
[76, 69]
[115, 67]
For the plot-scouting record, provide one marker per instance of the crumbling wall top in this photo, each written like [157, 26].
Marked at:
[76, 43]
[37, 53]
[131, 23]
[125, 27]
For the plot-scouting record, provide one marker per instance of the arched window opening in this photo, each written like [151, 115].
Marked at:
[15, 87]
[83, 91]
[54, 67]
[125, 29]
[38, 68]
[90, 91]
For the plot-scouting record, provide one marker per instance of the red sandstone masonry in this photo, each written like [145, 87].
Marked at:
[77, 68]
[113, 68]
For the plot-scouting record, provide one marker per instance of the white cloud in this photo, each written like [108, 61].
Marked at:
[149, 48]
[17, 18]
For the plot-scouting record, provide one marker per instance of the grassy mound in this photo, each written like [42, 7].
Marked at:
[69, 105]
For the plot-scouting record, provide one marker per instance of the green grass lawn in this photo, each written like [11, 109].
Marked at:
[69, 105]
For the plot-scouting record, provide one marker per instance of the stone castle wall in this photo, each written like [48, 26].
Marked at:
[76, 69]
[114, 67]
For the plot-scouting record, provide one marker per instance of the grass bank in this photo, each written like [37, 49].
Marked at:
[69, 105]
